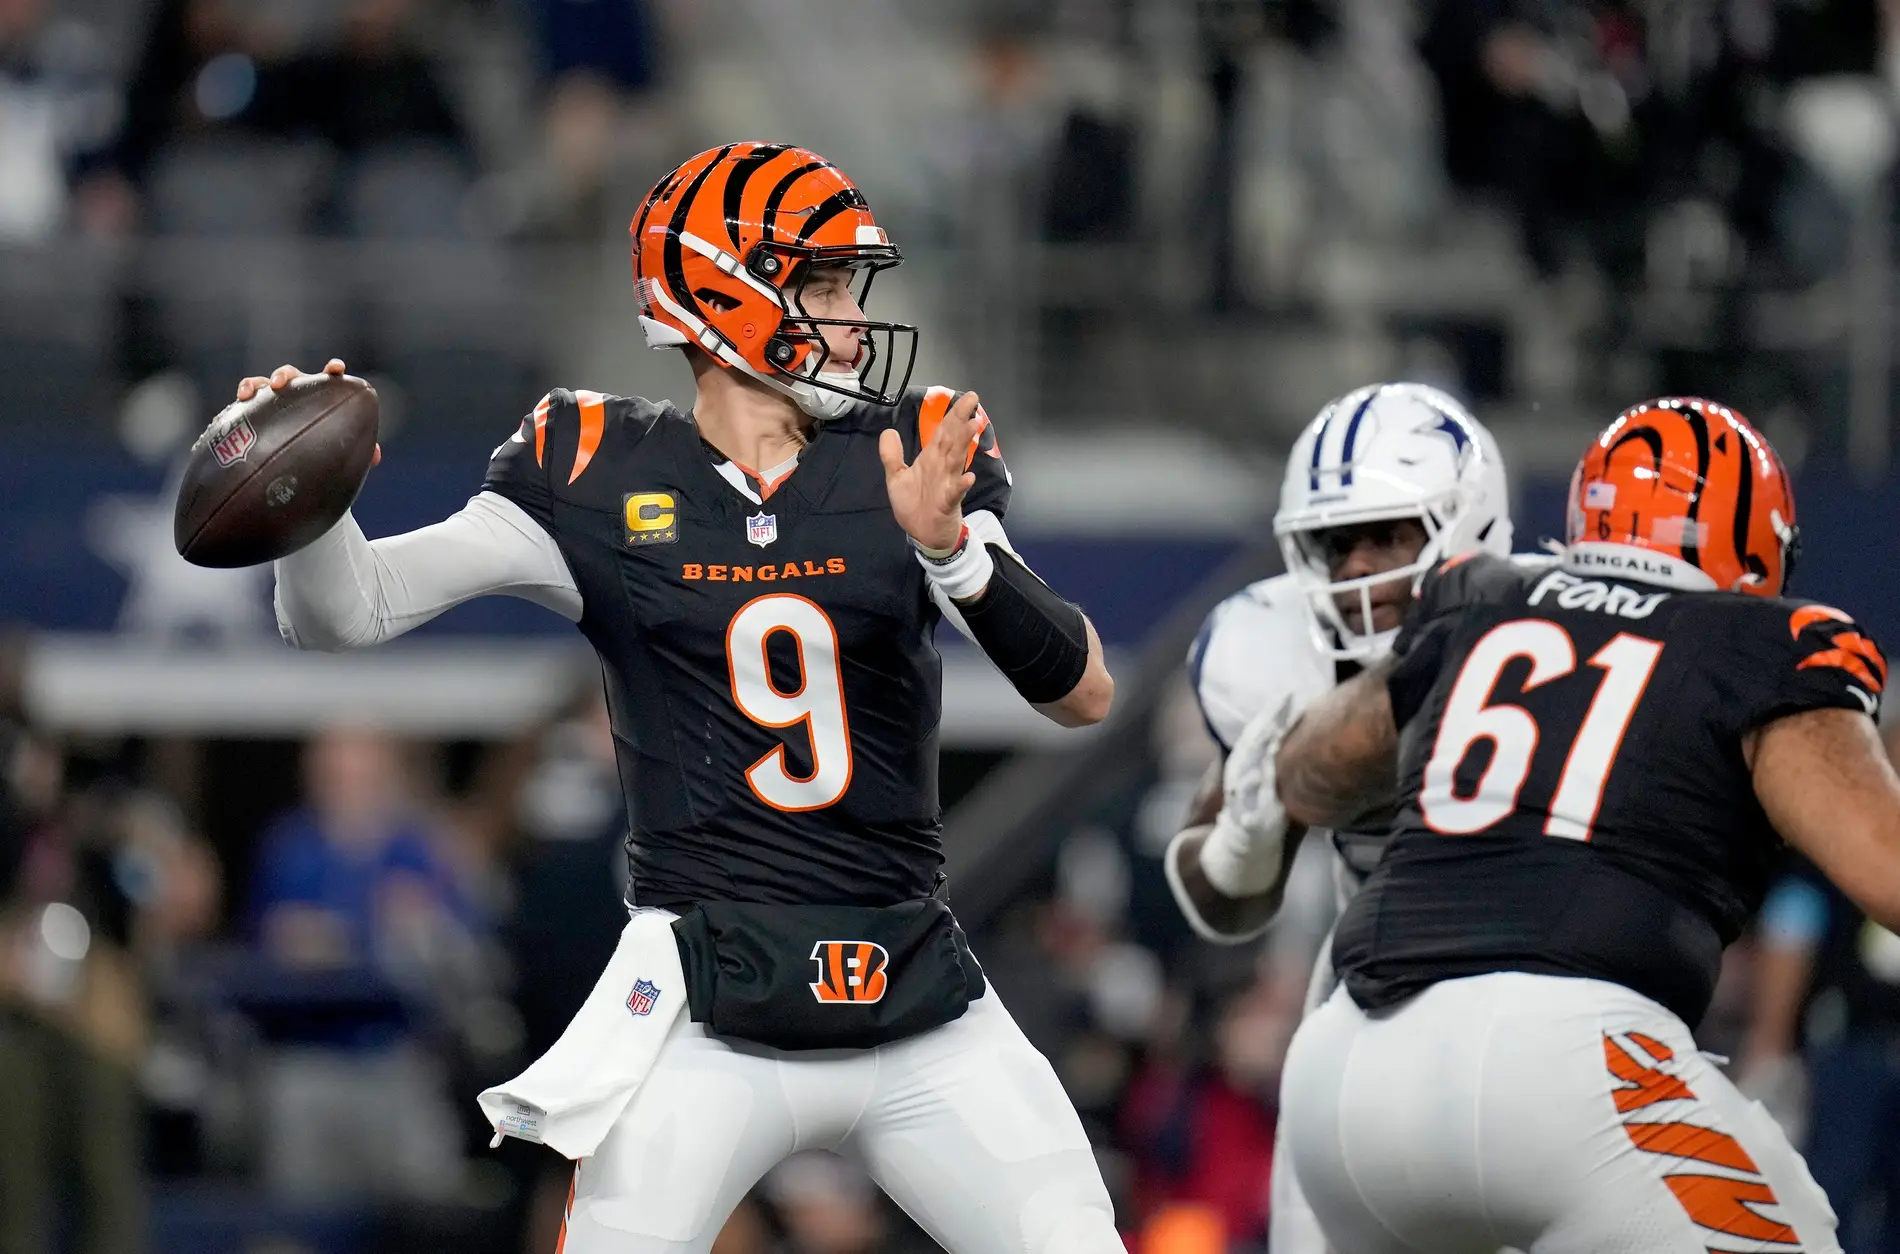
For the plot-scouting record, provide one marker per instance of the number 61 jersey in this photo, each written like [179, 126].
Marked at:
[769, 655]
[1573, 795]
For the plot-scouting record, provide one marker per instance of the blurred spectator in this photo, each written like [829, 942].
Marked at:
[200, 71]
[213, 79]
[746, 1231]
[72, 1031]
[603, 130]
[58, 111]
[569, 910]
[612, 40]
[353, 882]
[570, 892]
[1204, 1133]
[829, 1205]
[1828, 980]
[1536, 108]
[171, 877]
[376, 86]
[354, 877]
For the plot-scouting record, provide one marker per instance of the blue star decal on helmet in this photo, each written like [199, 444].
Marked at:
[1453, 428]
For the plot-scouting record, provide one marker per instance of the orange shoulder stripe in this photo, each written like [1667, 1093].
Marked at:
[1855, 654]
[593, 424]
[541, 429]
[931, 413]
[1808, 615]
[930, 416]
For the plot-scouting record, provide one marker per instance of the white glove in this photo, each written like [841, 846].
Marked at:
[1243, 853]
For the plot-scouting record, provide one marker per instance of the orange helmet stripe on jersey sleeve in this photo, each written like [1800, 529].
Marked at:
[1855, 654]
[541, 430]
[593, 424]
[935, 409]
[1808, 615]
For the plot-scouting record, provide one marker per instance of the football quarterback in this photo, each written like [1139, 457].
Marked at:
[762, 576]
[1383, 484]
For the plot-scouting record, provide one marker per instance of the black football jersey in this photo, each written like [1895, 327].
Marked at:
[771, 670]
[1573, 797]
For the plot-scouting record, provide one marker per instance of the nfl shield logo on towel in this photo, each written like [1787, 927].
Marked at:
[762, 529]
[645, 993]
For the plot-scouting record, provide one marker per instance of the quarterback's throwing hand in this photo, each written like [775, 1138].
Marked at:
[927, 495]
[281, 378]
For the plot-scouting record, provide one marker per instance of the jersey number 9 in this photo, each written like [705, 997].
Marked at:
[818, 703]
[1626, 662]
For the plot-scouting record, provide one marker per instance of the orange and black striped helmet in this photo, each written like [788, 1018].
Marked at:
[722, 249]
[1694, 484]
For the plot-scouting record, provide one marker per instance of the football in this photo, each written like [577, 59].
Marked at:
[271, 474]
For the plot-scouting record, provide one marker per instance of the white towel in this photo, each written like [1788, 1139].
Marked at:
[571, 1095]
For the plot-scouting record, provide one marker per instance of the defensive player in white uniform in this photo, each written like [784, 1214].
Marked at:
[1384, 483]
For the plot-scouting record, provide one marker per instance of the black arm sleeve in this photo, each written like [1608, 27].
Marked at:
[1038, 640]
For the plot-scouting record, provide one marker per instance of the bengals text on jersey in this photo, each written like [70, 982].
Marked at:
[1574, 796]
[770, 663]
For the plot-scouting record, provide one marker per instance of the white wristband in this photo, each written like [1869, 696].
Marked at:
[964, 575]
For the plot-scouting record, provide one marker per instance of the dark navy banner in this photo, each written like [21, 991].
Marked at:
[89, 548]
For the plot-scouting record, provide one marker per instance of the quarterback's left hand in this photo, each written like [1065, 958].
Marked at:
[927, 495]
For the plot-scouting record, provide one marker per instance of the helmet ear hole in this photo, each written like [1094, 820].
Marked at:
[715, 300]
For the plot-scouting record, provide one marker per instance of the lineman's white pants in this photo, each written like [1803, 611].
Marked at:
[966, 1127]
[1559, 1116]
[1291, 1226]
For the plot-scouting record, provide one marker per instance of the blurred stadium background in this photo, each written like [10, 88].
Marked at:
[1155, 234]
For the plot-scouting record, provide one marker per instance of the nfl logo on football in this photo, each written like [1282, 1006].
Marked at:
[230, 446]
[645, 993]
[762, 528]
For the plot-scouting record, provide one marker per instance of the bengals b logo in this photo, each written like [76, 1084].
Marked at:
[849, 971]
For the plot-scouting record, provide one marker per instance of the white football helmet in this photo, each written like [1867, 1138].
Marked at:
[1388, 451]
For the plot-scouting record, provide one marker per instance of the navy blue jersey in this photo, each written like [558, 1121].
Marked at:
[1573, 794]
[771, 670]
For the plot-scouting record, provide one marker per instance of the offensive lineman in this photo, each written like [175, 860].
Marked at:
[761, 579]
[1594, 762]
[1384, 483]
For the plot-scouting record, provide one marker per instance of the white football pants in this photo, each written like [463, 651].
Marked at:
[966, 1127]
[1292, 1227]
[1558, 1116]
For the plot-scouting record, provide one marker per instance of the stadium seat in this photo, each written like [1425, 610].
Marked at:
[405, 191]
[451, 326]
[56, 329]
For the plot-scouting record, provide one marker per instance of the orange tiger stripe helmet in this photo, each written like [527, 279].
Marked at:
[1697, 488]
[722, 249]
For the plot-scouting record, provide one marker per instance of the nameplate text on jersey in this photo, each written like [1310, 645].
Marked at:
[1572, 592]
